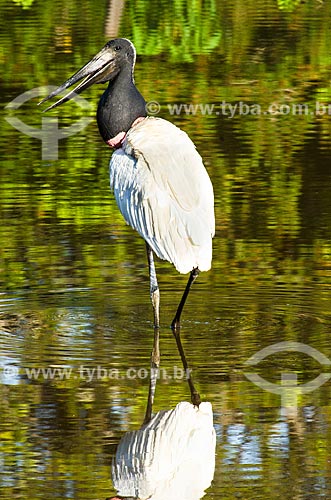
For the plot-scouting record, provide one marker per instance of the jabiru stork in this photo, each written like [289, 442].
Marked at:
[158, 178]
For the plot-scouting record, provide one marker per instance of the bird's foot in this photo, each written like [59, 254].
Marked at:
[195, 398]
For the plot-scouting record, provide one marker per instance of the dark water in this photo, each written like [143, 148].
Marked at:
[75, 319]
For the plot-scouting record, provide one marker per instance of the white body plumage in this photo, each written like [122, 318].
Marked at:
[164, 192]
[173, 456]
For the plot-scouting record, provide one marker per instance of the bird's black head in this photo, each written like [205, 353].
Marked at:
[122, 52]
[114, 57]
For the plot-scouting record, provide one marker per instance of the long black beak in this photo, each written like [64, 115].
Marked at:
[98, 70]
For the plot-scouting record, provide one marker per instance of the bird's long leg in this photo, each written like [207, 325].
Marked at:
[175, 325]
[154, 374]
[195, 396]
[155, 355]
[154, 287]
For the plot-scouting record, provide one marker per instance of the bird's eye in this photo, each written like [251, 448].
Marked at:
[117, 47]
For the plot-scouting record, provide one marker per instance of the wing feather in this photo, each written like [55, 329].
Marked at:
[164, 192]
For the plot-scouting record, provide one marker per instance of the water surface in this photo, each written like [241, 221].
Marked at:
[75, 319]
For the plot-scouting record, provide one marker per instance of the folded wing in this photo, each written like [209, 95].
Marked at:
[164, 192]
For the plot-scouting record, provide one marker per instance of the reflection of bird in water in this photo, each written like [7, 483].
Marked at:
[173, 456]
[160, 183]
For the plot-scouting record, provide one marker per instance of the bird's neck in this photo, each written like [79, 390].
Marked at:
[120, 105]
